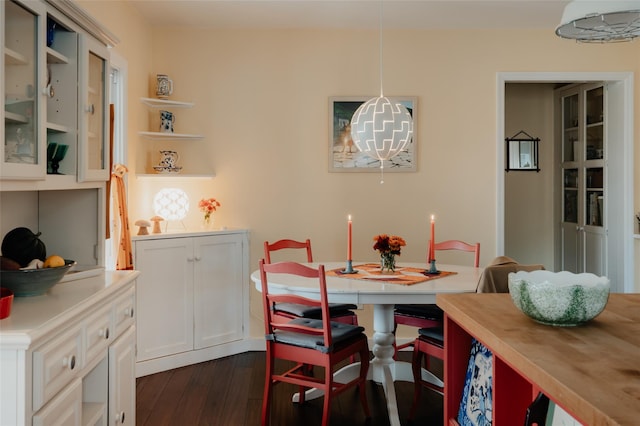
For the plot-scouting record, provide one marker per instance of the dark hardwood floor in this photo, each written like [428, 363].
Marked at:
[228, 392]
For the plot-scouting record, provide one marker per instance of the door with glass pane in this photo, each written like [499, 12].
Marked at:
[93, 143]
[23, 148]
[583, 144]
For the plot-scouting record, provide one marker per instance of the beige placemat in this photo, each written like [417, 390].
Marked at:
[371, 272]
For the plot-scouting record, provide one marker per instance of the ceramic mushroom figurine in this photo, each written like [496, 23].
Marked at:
[156, 224]
[144, 225]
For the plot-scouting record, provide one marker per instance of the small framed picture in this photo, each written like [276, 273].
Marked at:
[344, 155]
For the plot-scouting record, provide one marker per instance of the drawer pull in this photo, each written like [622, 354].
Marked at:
[120, 417]
[69, 362]
[104, 333]
[128, 312]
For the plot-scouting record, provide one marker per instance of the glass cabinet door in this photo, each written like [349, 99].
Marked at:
[583, 168]
[570, 128]
[22, 133]
[93, 144]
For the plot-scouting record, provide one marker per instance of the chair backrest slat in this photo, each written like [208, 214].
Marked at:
[457, 245]
[287, 244]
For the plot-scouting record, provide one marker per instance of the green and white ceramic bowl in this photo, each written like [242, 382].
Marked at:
[559, 298]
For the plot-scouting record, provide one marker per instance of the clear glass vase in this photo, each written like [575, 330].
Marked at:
[387, 262]
[207, 221]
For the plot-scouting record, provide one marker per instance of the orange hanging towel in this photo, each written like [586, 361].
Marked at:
[125, 255]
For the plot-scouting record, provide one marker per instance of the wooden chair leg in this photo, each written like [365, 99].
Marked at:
[266, 398]
[364, 369]
[326, 406]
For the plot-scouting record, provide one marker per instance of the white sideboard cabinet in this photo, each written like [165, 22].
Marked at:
[68, 357]
[193, 297]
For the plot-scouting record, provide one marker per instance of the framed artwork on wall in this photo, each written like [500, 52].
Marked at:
[344, 155]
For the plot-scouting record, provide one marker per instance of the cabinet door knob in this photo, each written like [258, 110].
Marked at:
[190, 259]
[104, 333]
[69, 362]
[128, 312]
[120, 417]
[49, 91]
[91, 109]
[198, 258]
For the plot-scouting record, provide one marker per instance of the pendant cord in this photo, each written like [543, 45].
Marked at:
[380, 31]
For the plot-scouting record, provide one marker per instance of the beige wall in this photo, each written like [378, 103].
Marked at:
[262, 104]
[529, 195]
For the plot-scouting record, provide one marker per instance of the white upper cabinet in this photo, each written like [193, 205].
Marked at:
[55, 91]
[23, 154]
[93, 152]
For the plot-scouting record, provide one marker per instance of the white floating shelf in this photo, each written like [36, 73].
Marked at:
[165, 103]
[166, 136]
[175, 176]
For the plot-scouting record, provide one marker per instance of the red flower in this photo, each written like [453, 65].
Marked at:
[388, 244]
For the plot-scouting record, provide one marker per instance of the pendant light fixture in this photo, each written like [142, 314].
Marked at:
[381, 128]
[600, 21]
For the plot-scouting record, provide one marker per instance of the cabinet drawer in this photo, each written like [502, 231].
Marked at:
[124, 312]
[65, 409]
[98, 333]
[55, 364]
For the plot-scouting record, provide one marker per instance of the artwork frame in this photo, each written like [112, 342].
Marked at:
[344, 155]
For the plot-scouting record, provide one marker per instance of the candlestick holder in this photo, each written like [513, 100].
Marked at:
[432, 269]
[349, 268]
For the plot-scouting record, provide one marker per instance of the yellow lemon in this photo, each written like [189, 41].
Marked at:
[53, 261]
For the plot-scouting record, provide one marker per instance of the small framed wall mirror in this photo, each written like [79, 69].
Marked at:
[522, 152]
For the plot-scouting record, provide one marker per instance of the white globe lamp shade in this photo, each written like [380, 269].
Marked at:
[171, 204]
[381, 128]
[600, 21]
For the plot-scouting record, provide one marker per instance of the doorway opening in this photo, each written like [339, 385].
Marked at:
[619, 246]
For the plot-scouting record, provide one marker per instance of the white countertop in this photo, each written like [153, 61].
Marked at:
[179, 233]
[29, 314]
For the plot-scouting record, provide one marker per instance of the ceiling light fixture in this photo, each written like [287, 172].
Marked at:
[381, 128]
[600, 21]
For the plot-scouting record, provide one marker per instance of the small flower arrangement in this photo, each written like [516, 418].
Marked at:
[208, 206]
[389, 246]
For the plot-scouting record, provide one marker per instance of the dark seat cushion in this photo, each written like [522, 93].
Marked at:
[340, 333]
[431, 312]
[304, 311]
[433, 334]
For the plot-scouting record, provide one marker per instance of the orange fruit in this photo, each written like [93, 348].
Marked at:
[53, 261]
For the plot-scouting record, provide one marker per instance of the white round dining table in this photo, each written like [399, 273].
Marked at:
[382, 293]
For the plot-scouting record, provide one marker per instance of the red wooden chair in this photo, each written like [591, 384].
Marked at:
[424, 316]
[309, 343]
[339, 312]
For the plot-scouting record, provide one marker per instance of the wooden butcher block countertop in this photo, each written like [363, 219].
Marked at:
[592, 370]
